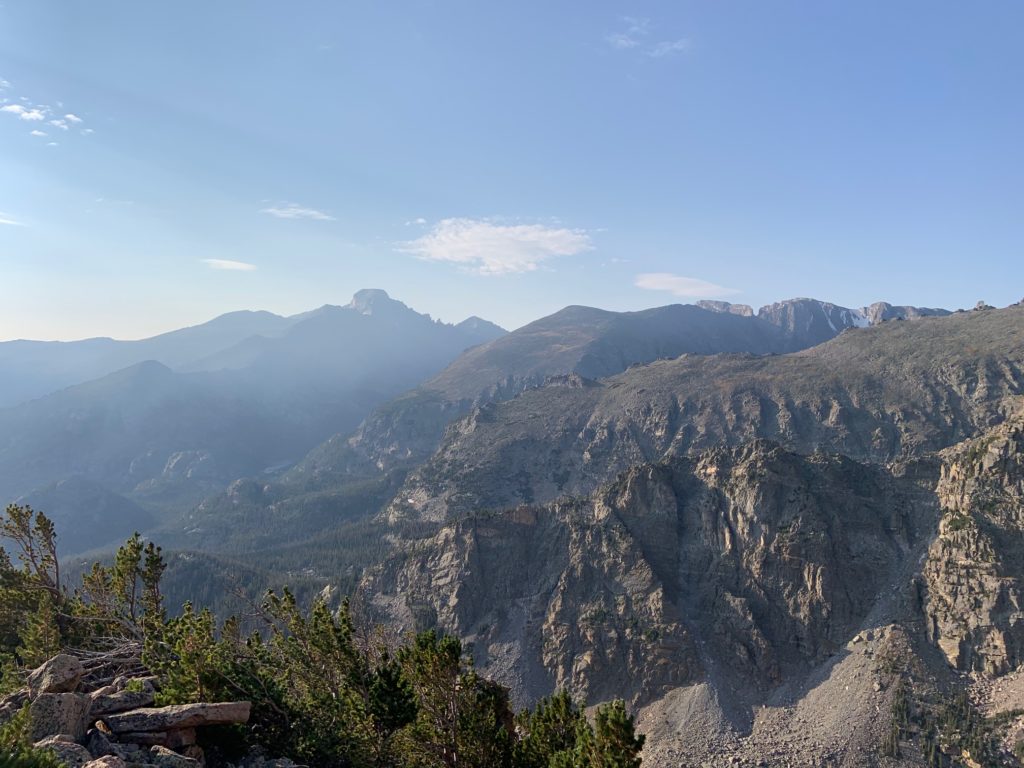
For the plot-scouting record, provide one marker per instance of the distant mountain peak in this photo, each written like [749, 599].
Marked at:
[743, 310]
[371, 300]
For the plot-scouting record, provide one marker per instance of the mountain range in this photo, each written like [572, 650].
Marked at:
[769, 531]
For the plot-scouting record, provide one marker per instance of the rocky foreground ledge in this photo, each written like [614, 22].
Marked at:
[116, 725]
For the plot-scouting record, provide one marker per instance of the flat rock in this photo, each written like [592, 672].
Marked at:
[179, 716]
[58, 713]
[121, 701]
[69, 752]
[61, 674]
[161, 756]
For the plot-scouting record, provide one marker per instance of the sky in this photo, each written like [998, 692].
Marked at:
[165, 162]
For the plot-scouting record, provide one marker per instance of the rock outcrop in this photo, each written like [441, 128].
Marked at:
[754, 560]
[973, 577]
[112, 725]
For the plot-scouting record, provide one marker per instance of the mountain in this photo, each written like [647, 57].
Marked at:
[590, 342]
[164, 439]
[873, 394]
[97, 517]
[808, 322]
[771, 557]
[31, 369]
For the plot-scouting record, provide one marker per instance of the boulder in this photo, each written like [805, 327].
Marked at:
[69, 752]
[53, 713]
[61, 674]
[11, 704]
[109, 761]
[121, 701]
[179, 716]
[165, 758]
[98, 744]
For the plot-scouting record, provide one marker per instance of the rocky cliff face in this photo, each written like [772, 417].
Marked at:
[753, 560]
[974, 575]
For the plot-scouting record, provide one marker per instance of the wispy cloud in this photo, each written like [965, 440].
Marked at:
[10, 221]
[24, 113]
[632, 36]
[32, 112]
[668, 48]
[295, 211]
[684, 287]
[228, 264]
[37, 132]
[637, 35]
[491, 248]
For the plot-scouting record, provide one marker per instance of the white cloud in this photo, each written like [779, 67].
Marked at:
[228, 264]
[87, 131]
[37, 133]
[636, 28]
[296, 211]
[684, 287]
[419, 222]
[490, 248]
[52, 144]
[6, 218]
[24, 113]
[32, 112]
[636, 35]
[668, 48]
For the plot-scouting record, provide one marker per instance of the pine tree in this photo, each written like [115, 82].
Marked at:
[616, 740]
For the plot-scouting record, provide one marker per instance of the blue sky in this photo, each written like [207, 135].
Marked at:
[502, 159]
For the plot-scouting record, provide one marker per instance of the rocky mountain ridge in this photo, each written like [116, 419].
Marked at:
[874, 394]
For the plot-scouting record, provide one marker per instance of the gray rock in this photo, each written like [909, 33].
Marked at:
[179, 716]
[69, 752]
[53, 713]
[122, 701]
[165, 758]
[60, 674]
[109, 761]
[11, 704]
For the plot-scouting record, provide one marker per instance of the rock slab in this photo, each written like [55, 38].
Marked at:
[179, 716]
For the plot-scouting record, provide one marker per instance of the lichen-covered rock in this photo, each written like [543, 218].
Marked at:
[58, 713]
[108, 761]
[179, 716]
[121, 701]
[166, 758]
[61, 674]
[67, 750]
